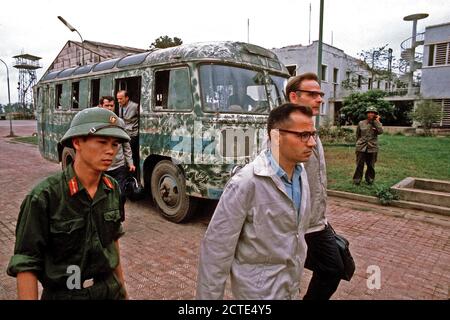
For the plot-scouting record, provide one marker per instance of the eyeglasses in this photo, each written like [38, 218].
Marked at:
[304, 136]
[313, 94]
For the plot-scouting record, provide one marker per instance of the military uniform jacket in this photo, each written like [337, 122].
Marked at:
[257, 236]
[59, 225]
[367, 136]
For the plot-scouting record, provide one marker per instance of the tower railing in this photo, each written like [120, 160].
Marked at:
[407, 44]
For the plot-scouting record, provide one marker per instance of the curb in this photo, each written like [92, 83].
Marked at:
[396, 203]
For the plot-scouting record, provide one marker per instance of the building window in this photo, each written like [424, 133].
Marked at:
[335, 75]
[378, 84]
[347, 75]
[292, 69]
[439, 54]
[323, 108]
[369, 85]
[431, 55]
[324, 73]
[359, 81]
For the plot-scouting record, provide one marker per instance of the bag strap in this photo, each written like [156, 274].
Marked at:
[329, 226]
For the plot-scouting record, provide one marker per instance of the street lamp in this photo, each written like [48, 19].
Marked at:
[68, 25]
[11, 133]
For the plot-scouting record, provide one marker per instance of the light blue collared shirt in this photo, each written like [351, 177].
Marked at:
[294, 187]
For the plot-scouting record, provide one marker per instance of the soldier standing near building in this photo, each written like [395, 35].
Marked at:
[367, 145]
[68, 229]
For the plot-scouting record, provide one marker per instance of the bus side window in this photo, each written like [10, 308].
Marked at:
[173, 90]
[75, 95]
[58, 95]
[180, 95]
[95, 92]
[161, 88]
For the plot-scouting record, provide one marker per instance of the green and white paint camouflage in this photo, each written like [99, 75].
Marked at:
[186, 113]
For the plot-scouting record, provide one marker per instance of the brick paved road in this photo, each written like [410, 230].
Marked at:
[411, 248]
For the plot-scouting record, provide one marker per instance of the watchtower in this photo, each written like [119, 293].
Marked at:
[27, 65]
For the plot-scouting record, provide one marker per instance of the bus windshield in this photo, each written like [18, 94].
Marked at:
[238, 90]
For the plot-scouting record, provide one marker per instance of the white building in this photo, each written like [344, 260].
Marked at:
[435, 82]
[341, 74]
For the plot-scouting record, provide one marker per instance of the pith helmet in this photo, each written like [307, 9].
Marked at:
[96, 122]
[372, 109]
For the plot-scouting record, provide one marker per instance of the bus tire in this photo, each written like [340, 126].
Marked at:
[168, 189]
[67, 157]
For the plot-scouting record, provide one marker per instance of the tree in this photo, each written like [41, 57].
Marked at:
[355, 105]
[426, 114]
[379, 62]
[166, 42]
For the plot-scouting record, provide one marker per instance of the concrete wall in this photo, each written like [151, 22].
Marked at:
[436, 82]
[437, 33]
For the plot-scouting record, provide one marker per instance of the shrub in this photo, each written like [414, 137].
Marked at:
[426, 114]
[355, 106]
[385, 194]
[336, 135]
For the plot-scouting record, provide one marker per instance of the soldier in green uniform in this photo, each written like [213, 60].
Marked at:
[367, 145]
[69, 224]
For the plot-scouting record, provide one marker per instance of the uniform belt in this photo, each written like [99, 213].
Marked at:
[88, 287]
[87, 283]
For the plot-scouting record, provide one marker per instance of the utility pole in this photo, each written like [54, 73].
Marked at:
[11, 132]
[389, 68]
[248, 30]
[309, 38]
[319, 55]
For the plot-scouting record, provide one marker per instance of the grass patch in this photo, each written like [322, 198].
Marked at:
[398, 157]
[30, 140]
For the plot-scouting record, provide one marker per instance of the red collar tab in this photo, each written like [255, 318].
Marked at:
[108, 182]
[73, 186]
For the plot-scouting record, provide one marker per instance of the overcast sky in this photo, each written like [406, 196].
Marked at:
[31, 26]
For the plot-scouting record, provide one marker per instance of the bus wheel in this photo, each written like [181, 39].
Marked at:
[68, 156]
[169, 192]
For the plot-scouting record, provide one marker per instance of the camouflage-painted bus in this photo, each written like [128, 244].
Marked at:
[203, 110]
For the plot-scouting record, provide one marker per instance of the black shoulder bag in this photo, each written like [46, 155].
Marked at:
[347, 259]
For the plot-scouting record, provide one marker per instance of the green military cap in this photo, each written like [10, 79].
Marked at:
[94, 122]
[372, 109]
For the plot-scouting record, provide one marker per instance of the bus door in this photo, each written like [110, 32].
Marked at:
[133, 86]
